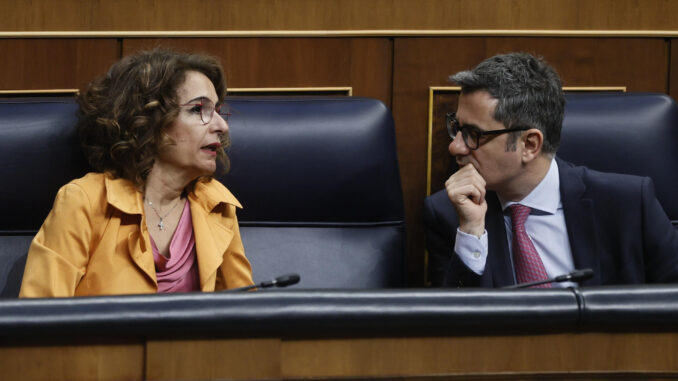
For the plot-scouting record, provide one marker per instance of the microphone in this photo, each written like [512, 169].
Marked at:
[281, 281]
[574, 276]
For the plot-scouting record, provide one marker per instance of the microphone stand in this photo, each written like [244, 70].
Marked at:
[281, 281]
[574, 276]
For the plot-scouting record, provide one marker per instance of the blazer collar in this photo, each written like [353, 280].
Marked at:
[123, 195]
[579, 209]
[209, 194]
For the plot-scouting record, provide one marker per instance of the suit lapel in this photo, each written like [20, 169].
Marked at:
[580, 221]
[501, 270]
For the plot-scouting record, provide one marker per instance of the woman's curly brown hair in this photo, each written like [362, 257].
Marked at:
[123, 114]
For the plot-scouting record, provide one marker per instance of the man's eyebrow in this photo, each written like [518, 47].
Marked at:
[471, 126]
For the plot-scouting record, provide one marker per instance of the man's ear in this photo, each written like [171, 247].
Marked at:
[532, 141]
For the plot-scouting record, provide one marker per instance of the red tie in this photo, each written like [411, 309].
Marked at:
[529, 267]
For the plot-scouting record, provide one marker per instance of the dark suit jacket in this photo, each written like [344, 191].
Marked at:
[615, 224]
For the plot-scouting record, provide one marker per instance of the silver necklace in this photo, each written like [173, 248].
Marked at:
[161, 224]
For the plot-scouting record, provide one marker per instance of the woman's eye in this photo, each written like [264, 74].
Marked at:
[196, 109]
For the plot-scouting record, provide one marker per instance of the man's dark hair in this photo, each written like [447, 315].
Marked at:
[528, 90]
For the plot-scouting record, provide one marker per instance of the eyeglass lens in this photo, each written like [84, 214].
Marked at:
[208, 109]
[470, 136]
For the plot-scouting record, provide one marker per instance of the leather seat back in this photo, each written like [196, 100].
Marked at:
[633, 133]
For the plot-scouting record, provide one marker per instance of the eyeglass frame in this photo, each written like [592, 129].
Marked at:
[451, 120]
[202, 102]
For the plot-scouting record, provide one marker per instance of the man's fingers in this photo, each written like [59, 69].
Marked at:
[471, 172]
[464, 193]
[464, 184]
[467, 174]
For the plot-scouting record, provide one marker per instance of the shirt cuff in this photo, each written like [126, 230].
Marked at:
[472, 250]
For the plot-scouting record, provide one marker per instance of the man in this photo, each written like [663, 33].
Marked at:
[515, 213]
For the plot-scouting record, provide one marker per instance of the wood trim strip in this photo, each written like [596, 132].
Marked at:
[347, 33]
[39, 92]
[348, 90]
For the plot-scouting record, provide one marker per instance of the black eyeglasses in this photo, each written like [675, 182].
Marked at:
[206, 109]
[472, 135]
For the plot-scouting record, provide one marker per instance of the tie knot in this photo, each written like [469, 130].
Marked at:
[519, 214]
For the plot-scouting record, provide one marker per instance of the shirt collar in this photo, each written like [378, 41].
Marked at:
[545, 197]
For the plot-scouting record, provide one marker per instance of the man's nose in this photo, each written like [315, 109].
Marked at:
[457, 146]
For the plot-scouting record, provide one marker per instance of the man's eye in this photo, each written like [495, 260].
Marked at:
[472, 132]
[466, 131]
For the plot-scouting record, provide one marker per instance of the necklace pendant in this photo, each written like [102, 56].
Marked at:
[161, 225]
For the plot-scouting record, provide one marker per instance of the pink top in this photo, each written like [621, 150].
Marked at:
[179, 272]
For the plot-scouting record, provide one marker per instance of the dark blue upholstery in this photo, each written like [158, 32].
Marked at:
[633, 133]
[318, 178]
[320, 187]
[39, 153]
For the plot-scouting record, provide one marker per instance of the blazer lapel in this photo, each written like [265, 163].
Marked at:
[211, 241]
[122, 195]
[141, 253]
[580, 221]
[501, 270]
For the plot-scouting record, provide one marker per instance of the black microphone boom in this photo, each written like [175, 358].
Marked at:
[281, 281]
[574, 276]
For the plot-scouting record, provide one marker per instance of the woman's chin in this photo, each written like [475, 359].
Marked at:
[208, 171]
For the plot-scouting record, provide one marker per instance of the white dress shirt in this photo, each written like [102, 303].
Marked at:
[545, 226]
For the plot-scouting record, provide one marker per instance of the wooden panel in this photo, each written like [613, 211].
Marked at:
[362, 63]
[213, 359]
[72, 362]
[638, 64]
[441, 163]
[549, 356]
[556, 354]
[54, 63]
[140, 15]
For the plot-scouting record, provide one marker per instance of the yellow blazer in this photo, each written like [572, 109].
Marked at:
[95, 241]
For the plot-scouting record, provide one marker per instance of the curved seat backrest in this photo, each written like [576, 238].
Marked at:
[319, 182]
[633, 133]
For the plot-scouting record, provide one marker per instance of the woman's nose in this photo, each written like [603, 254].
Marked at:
[219, 123]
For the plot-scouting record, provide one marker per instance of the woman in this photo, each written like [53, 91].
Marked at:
[151, 218]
